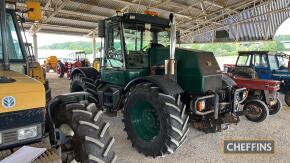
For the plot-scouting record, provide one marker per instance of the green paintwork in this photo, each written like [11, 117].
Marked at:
[122, 77]
[192, 67]
[144, 120]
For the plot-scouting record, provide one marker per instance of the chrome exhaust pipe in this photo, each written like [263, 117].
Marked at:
[170, 64]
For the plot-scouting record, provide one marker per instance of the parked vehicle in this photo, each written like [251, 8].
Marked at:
[264, 65]
[159, 89]
[262, 99]
[78, 59]
[50, 64]
[75, 128]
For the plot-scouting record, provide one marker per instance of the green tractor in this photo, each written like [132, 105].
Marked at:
[159, 88]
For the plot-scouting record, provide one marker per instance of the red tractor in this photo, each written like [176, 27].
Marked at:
[77, 59]
[262, 99]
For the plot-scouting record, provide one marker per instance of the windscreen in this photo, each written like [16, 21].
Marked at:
[138, 40]
[14, 48]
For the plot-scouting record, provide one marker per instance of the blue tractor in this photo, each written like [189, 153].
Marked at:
[264, 65]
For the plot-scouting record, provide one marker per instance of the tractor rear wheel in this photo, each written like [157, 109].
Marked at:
[287, 98]
[274, 109]
[80, 83]
[86, 136]
[156, 123]
[257, 110]
[60, 69]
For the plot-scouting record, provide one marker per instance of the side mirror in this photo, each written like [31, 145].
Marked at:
[101, 28]
[34, 11]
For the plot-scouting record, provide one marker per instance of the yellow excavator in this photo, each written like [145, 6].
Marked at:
[70, 123]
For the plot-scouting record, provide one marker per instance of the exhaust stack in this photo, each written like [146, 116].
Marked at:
[170, 64]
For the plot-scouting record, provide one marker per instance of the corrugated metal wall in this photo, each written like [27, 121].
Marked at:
[258, 23]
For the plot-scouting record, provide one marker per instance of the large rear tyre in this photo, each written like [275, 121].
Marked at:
[257, 110]
[156, 123]
[79, 83]
[60, 69]
[274, 109]
[287, 98]
[86, 135]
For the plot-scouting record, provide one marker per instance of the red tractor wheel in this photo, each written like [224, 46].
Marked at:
[60, 69]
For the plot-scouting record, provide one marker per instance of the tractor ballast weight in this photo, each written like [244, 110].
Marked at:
[161, 88]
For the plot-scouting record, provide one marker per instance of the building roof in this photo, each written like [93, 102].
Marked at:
[198, 20]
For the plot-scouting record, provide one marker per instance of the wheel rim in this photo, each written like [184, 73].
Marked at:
[275, 107]
[145, 121]
[255, 111]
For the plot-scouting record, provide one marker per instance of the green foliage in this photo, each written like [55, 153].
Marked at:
[219, 49]
[229, 49]
[80, 45]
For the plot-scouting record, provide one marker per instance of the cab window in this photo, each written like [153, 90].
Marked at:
[244, 60]
[14, 49]
[261, 60]
[114, 56]
[273, 62]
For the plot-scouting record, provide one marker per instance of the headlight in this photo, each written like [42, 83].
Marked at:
[200, 105]
[27, 132]
[0, 138]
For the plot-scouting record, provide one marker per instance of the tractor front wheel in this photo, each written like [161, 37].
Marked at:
[156, 123]
[274, 109]
[287, 98]
[84, 134]
[257, 110]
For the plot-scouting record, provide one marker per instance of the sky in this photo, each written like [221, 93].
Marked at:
[48, 39]
[284, 28]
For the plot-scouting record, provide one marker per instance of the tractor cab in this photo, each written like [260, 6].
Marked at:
[256, 64]
[128, 40]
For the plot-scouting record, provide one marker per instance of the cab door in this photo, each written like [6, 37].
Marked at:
[113, 68]
[262, 66]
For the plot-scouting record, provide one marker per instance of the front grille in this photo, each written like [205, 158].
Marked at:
[9, 137]
[212, 82]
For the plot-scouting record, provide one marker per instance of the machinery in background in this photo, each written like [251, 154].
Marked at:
[50, 64]
[78, 59]
[74, 125]
[262, 99]
[159, 89]
[264, 65]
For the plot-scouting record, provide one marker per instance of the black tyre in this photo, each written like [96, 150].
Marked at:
[156, 123]
[60, 69]
[274, 109]
[87, 137]
[81, 84]
[287, 98]
[47, 68]
[257, 110]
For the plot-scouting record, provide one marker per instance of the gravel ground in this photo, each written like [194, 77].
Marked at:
[201, 147]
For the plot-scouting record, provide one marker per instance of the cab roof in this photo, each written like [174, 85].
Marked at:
[141, 18]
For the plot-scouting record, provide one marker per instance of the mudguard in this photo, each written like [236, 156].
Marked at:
[167, 85]
[88, 72]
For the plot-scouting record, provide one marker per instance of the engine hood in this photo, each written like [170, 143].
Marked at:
[197, 71]
[21, 94]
